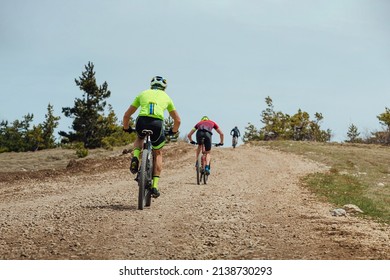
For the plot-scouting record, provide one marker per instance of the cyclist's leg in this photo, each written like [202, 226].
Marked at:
[198, 151]
[158, 160]
[138, 143]
[141, 124]
[137, 146]
[207, 145]
[208, 157]
[199, 136]
[136, 153]
[157, 168]
[158, 142]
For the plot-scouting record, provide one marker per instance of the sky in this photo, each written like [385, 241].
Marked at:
[221, 58]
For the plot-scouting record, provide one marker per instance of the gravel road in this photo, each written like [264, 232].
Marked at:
[253, 207]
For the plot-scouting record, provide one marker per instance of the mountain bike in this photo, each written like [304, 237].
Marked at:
[145, 171]
[234, 141]
[201, 174]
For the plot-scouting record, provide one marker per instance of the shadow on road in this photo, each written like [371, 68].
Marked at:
[116, 207]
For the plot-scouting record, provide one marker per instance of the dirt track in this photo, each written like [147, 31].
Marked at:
[252, 208]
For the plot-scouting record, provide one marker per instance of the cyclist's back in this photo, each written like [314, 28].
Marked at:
[153, 103]
[235, 132]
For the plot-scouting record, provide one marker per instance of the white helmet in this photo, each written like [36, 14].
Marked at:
[158, 82]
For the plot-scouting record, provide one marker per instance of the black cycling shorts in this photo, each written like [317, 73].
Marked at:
[153, 124]
[207, 138]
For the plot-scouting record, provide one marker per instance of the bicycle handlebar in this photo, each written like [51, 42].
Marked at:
[212, 144]
[166, 132]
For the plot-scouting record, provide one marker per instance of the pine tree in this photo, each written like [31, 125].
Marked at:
[384, 120]
[89, 124]
[353, 134]
[251, 133]
[18, 137]
[48, 126]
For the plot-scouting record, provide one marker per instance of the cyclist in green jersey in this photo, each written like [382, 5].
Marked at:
[152, 103]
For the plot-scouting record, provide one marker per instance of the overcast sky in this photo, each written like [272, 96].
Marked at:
[221, 57]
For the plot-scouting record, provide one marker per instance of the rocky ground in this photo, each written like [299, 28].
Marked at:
[253, 207]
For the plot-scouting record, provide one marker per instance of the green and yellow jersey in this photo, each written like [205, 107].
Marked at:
[153, 103]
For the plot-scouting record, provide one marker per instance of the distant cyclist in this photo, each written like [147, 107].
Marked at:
[235, 133]
[204, 130]
[153, 103]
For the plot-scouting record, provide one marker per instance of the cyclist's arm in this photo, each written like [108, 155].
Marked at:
[189, 135]
[126, 118]
[221, 136]
[176, 120]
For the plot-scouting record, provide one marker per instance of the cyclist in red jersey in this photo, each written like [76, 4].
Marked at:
[204, 130]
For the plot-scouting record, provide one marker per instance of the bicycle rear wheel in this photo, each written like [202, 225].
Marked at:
[234, 142]
[144, 180]
[148, 193]
[199, 169]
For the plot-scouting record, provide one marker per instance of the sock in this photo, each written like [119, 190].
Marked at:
[155, 181]
[136, 152]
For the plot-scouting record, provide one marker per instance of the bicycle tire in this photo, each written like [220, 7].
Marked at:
[143, 180]
[198, 169]
[148, 194]
[235, 142]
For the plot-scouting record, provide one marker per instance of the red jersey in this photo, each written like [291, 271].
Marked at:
[206, 126]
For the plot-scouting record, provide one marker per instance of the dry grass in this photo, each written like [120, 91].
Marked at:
[50, 159]
[59, 158]
[358, 173]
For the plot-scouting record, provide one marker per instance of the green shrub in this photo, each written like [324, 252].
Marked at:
[4, 150]
[117, 139]
[81, 151]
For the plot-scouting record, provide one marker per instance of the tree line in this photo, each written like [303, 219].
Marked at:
[95, 124]
[280, 126]
[92, 126]
[299, 127]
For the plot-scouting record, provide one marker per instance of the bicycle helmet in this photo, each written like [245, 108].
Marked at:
[204, 118]
[158, 82]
